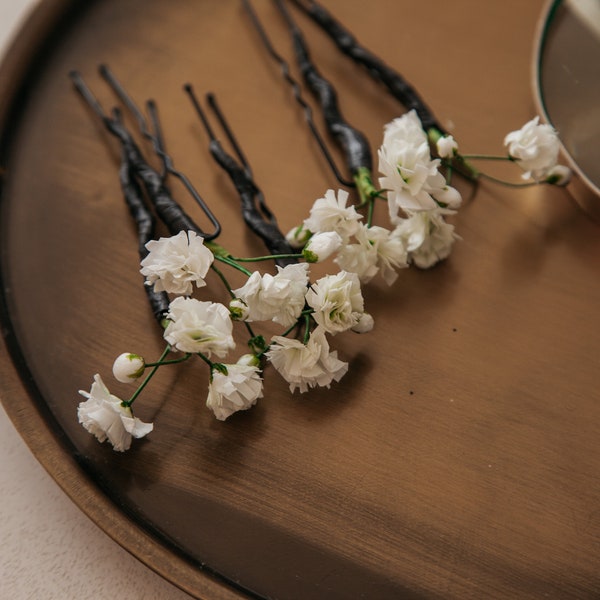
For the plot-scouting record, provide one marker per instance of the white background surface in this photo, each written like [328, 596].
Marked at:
[49, 549]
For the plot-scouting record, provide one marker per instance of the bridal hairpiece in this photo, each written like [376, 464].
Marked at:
[417, 161]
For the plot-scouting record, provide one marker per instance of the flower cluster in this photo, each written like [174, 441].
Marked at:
[418, 197]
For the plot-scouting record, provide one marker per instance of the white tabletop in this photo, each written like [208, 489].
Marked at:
[49, 548]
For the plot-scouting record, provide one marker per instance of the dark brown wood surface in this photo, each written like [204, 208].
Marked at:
[459, 457]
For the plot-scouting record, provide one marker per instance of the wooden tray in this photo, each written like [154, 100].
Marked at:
[458, 459]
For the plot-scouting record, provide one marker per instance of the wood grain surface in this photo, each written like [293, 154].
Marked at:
[458, 458]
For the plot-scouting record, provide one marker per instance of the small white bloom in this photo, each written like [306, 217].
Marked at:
[174, 264]
[321, 246]
[428, 238]
[391, 252]
[534, 148]
[365, 324]
[559, 175]
[248, 360]
[239, 309]
[104, 416]
[297, 237]
[446, 146]
[448, 196]
[197, 326]
[128, 367]
[409, 173]
[306, 365]
[239, 389]
[361, 257]
[330, 213]
[337, 301]
[279, 298]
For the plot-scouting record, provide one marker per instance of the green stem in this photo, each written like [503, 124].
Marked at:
[508, 183]
[128, 403]
[229, 261]
[364, 185]
[262, 258]
[484, 157]
[370, 211]
[223, 279]
[306, 329]
[174, 361]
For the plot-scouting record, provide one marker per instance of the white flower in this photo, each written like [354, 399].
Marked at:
[305, 366]
[197, 326]
[249, 360]
[375, 249]
[128, 367]
[337, 301]
[239, 389]
[534, 147]
[239, 309]
[446, 146]
[390, 250]
[279, 298]
[174, 264]
[361, 257]
[297, 237]
[428, 238]
[104, 415]
[365, 324]
[559, 175]
[321, 246]
[448, 196]
[409, 173]
[331, 214]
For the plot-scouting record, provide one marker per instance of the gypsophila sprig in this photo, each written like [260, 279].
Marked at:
[387, 221]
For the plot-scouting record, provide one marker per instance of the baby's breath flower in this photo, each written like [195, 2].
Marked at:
[128, 367]
[321, 246]
[279, 298]
[239, 309]
[297, 237]
[360, 257]
[427, 236]
[196, 326]
[534, 148]
[337, 301]
[559, 175]
[175, 263]
[390, 250]
[104, 416]
[408, 171]
[446, 146]
[237, 389]
[308, 365]
[365, 324]
[249, 360]
[330, 213]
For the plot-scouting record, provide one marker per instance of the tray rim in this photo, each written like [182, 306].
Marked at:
[584, 191]
[17, 400]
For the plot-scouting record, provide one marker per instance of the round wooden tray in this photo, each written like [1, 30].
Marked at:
[458, 458]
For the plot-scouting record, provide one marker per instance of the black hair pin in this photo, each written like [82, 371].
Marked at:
[297, 92]
[255, 212]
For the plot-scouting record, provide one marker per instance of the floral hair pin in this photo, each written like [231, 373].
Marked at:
[416, 161]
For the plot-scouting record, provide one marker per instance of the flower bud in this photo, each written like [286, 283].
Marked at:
[248, 360]
[365, 324]
[446, 146]
[239, 309]
[298, 237]
[448, 196]
[321, 246]
[559, 175]
[128, 367]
